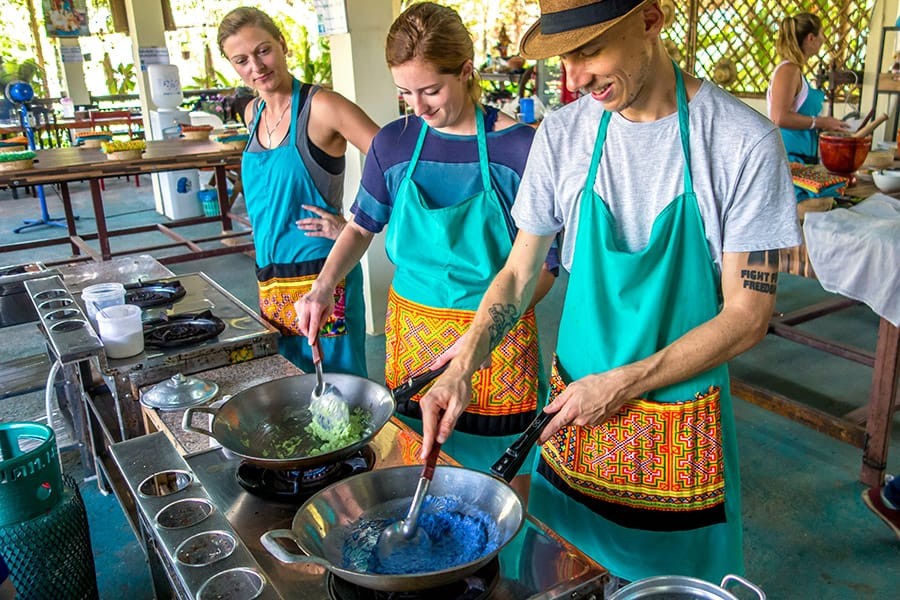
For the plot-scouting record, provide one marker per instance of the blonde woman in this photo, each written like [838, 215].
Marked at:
[792, 104]
[292, 171]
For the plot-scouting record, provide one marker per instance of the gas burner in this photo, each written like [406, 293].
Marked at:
[13, 270]
[298, 485]
[174, 331]
[153, 293]
[476, 586]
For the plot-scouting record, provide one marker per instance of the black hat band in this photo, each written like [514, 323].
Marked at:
[585, 16]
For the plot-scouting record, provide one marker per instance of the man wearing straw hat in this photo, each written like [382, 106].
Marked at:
[675, 199]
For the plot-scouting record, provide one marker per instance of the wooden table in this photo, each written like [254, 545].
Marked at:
[54, 129]
[61, 166]
[868, 427]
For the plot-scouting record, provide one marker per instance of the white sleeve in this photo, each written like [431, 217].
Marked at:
[761, 213]
[536, 209]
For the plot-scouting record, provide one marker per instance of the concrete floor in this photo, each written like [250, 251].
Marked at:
[807, 534]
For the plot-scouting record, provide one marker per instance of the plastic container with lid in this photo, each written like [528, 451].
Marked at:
[100, 296]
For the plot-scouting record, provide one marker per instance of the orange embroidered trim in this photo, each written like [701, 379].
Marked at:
[276, 304]
[417, 334]
[651, 455]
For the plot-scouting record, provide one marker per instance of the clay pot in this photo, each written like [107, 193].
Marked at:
[843, 154]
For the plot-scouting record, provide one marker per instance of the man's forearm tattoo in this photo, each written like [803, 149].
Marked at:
[503, 319]
[761, 281]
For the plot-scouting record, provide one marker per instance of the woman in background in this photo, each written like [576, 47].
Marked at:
[443, 182]
[292, 172]
[792, 104]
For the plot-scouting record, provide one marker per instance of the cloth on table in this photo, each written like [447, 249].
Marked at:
[855, 252]
[813, 181]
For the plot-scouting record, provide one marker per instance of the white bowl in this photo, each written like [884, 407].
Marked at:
[887, 180]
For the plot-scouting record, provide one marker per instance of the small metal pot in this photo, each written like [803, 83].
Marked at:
[676, 587]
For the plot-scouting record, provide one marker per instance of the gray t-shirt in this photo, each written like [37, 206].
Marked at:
[740, 172]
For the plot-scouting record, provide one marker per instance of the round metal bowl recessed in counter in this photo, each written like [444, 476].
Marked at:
[62, 313]
[165, 483]
[205, 548]
[51, 294]
[54, 304]
[184, 513]
[72, 325]
[234, 584]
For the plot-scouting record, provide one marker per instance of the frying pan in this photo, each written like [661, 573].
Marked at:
[324, 522]
[252, 423]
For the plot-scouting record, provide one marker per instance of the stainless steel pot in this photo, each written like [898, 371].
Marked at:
[675, 587]
[254, 421]
[321, 525]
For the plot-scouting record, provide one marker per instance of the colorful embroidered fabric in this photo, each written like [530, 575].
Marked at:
[650, 456]
[417, 334]
[816, 180]
[276, 304]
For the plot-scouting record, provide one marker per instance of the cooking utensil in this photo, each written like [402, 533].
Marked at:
[406, 531]
[868, 129]
[414, 385]
[677, 587]
[511, 461]
[252, 422]
[244, 424]
[322, 524]
[327, 406]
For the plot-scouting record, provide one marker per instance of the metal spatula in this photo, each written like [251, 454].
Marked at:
[406, 530]
[327, 405]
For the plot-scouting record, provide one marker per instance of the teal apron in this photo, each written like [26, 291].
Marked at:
[276, 183]
[802, 145]
[445, 259]
[655, 489]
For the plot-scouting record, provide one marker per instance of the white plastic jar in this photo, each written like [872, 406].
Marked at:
[100, 296]
[121, 330]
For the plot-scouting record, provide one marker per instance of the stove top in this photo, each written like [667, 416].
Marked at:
[181, 330]
[299, 485]
[237, 333]
[477, 586]
[155, 293]
[535, 565]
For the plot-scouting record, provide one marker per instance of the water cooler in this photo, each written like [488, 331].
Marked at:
[175, 191]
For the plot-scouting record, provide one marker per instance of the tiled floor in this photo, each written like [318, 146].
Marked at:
[807, 534]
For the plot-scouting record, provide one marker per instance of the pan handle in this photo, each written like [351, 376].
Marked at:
[278, 551]
[189, 415]
[509, 464]
[414, 385]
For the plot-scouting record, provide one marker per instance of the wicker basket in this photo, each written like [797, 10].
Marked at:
[125, 155]
[197, 136]
[235, 145]
[17, 165]
[92, 142]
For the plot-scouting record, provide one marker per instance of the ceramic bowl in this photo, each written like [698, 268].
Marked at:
[887, 180]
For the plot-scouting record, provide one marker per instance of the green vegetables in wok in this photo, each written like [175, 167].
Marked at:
[297, 436]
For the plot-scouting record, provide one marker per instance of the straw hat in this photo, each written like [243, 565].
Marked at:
[565, 25]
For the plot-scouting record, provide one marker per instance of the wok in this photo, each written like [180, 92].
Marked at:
[323, 523]
[254, 421]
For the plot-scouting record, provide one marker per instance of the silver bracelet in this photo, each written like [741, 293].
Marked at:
[813, 124]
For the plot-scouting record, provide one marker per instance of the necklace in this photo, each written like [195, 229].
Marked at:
[269, 130]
